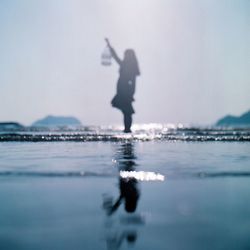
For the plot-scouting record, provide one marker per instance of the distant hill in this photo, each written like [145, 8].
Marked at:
[57, 121]
[11, 126]
[229, 120]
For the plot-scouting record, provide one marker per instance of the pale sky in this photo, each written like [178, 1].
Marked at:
[194, 57]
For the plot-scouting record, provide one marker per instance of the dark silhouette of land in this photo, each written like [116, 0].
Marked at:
[126, 84]
[11, 126]
[56, 121]
[229, 120]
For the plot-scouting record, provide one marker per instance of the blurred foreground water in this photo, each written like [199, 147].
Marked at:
[127, 193]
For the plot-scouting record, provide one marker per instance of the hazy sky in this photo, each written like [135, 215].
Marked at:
[194, 57]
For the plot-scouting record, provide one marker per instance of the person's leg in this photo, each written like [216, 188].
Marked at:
[127, 122]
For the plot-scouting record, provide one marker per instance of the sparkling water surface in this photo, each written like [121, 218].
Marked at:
[57, 194]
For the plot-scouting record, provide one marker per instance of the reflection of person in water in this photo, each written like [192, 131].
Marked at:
[115, 242]
[124, 97]
[129, 195]
[129, 191]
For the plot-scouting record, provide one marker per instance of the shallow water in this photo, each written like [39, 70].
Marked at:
[60, 195]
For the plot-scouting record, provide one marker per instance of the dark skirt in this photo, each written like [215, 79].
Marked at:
[124, 103]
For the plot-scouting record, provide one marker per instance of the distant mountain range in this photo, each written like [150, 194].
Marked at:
[229, 120]
[57, 121]
[70, 121]
[47, 122]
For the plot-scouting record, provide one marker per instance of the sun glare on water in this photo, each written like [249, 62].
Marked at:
[142, 175]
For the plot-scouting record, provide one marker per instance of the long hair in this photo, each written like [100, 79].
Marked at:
[130, 62]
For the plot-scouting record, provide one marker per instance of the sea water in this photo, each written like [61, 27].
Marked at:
[192, 187]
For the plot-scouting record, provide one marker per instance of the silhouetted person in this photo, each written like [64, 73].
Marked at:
[124, 97]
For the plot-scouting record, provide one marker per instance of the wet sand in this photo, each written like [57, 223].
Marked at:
[175, 214]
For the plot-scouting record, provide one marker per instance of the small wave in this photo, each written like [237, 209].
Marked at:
[165, 134]
[146, 176]
[141, 175]
[222, 174]
[117, 138]
[53, 174]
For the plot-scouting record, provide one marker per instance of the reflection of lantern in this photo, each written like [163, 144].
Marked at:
[106, 57]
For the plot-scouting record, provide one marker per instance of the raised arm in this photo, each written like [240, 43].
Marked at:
[113, 53]
[116, 205]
